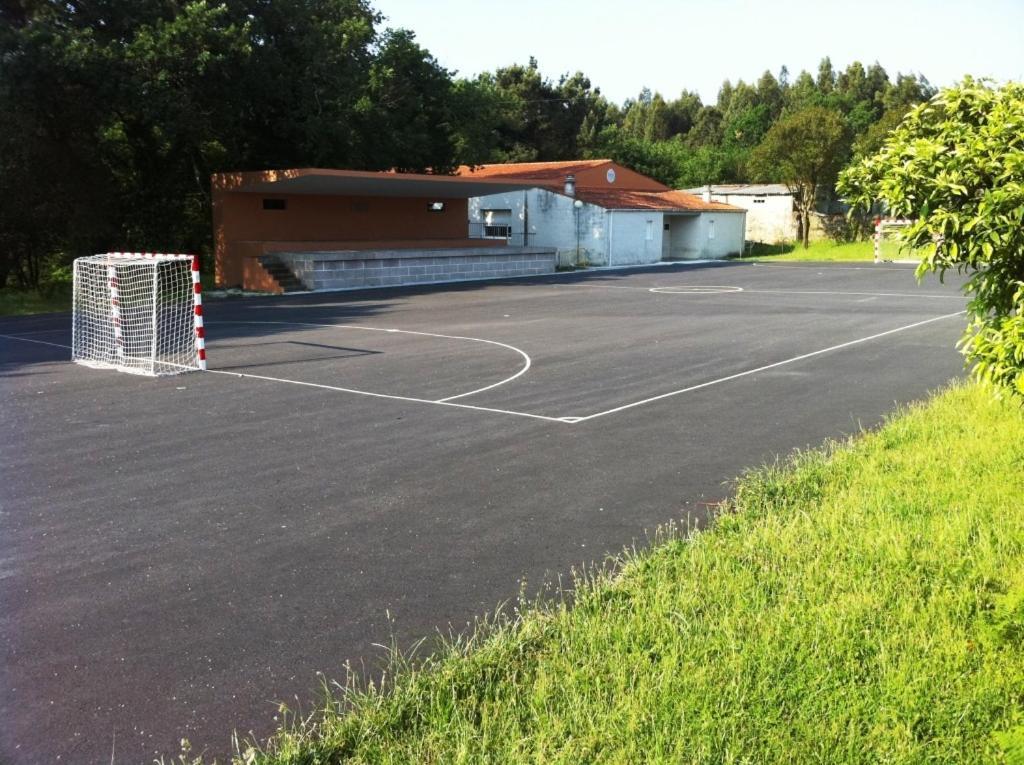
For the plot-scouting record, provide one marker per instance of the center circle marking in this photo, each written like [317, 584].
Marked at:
[695, 289]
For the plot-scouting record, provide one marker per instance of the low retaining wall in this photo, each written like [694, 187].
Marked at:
[353, 268]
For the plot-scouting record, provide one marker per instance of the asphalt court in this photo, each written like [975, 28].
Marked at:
[180, 553]
[570, 350]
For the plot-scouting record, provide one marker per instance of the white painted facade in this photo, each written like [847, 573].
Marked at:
[608, 237]
[770, 213]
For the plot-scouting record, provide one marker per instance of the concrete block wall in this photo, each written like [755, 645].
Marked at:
[327, 271]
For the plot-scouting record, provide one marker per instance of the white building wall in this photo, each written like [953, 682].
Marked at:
[513, 200]
[615, 237]
[770, 220]
[730, 231]
[552, 221]
[690, 236]
[628, 240]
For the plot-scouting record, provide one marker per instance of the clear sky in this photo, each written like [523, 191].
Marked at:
[695, 45]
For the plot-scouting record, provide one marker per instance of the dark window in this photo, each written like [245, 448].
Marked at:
[436, 207]
[497, 231]
[666, 227]
[275, 204]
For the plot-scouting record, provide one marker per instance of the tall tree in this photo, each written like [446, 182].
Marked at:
[804, 150]
[406, 113]
[682, 113]
[115, 113]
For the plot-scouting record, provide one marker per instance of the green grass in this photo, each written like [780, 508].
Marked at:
[862, 604]
[14, 302]
[825, 250]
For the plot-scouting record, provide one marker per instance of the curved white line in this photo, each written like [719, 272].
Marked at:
[526, 358]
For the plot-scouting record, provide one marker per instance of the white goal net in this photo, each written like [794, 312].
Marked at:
[889, 244]
[139, 313]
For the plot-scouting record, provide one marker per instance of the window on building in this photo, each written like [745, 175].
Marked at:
[758, 200]
[649, 236]
[711, 229]
[497, 224]
[436, 207]
[665, 226]
[275, 204]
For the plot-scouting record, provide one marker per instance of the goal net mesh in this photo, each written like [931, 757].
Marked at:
[136, 314]
[889, 244]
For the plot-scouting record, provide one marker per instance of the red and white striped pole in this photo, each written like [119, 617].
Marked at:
[115, 310]
[197, 289]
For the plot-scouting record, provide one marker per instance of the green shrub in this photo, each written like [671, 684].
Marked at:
[956, 166]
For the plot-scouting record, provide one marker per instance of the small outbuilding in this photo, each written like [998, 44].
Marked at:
[771, 212]
[599, 213]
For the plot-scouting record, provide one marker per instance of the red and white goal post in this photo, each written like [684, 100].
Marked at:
[887, 241]
[138, 312]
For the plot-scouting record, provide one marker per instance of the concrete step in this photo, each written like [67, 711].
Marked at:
[281, 274]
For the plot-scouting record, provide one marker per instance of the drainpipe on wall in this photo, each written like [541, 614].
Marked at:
[526, 218]
[610, 231]
[707, 193]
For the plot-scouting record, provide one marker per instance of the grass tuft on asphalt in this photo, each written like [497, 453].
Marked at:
[861, 603]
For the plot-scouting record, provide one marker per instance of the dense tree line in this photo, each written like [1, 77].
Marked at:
[114, 113]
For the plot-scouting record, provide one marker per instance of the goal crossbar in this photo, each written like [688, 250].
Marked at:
[138, 312]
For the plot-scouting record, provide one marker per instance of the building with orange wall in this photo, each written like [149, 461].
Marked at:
[260, 217]
[280, 230]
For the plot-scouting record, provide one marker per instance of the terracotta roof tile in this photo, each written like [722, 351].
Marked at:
[545, 173]
[656, 201]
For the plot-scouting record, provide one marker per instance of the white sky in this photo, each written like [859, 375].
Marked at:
[623, 45]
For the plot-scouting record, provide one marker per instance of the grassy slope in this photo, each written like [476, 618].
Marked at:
[21, 302]
[865, 604]
[821, 251]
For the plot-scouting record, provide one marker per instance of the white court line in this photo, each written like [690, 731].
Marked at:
[36, 332]
[390, 396]
[870, 294]
[524, 354]
[37, 342]
[694, 289]
[825, 266]
[764, 368]
[731, 290]
[442, 402]
[572, 420]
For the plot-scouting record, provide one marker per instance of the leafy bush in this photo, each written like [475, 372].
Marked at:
[956, 166]
[57, 278]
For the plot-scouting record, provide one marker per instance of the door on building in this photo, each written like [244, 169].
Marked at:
[681, 240]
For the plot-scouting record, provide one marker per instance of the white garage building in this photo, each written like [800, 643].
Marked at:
[599, 213]
[770, 207]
